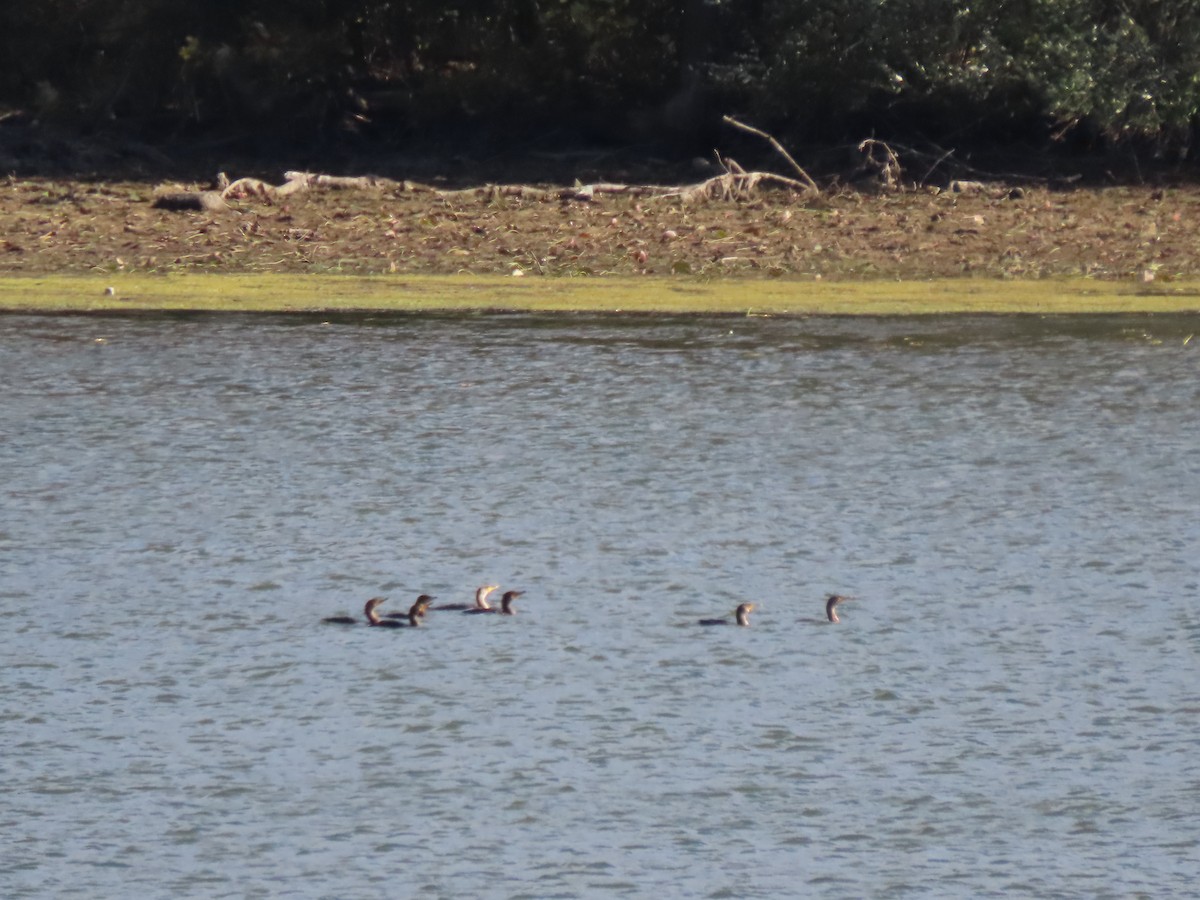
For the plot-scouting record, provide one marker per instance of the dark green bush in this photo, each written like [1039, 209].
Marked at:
[1121, 70]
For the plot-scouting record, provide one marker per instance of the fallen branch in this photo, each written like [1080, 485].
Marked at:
[582, 192]
[353, 182]
[589, 191]
[941, 159]
[245, 188]
[733, 185]
[805, 178]
[257, 189]
[302, 181]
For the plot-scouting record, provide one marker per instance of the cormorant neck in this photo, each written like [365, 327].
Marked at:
[831, 606]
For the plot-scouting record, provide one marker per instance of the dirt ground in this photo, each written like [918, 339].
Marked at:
[74, 226]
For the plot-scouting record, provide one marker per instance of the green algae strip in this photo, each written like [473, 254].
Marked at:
[432, 293]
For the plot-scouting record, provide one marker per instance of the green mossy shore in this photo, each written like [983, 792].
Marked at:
[311, 293]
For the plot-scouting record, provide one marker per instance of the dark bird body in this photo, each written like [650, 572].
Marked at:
[741, 616]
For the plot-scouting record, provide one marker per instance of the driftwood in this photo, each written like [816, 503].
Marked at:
[581, 192]
[805, 178]
[253, 188]
[294, 182]
[257, 189]
[734, 184]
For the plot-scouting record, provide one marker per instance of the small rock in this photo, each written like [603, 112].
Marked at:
[966, 187]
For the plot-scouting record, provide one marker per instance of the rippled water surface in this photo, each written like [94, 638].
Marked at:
[1011, 706]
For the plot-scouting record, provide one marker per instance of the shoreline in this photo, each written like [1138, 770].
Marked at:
[397, 247]
[611, 295]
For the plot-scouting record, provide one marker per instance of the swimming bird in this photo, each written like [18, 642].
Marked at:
[414, 615]
[481, 595]
[831, 602]
[373, 617]
[741, 614]
[506, 605]
[368, 611]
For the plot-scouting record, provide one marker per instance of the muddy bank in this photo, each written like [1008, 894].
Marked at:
[1121, 233]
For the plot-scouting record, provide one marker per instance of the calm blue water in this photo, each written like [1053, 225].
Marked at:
[1011, 707]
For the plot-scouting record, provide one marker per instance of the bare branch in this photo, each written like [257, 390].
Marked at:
[805, 178]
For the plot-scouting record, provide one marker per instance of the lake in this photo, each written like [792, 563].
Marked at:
[1009, 707]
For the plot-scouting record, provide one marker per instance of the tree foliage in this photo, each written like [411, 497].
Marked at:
[1113, 70]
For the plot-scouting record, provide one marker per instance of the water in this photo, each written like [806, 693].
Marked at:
[1009, 708]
